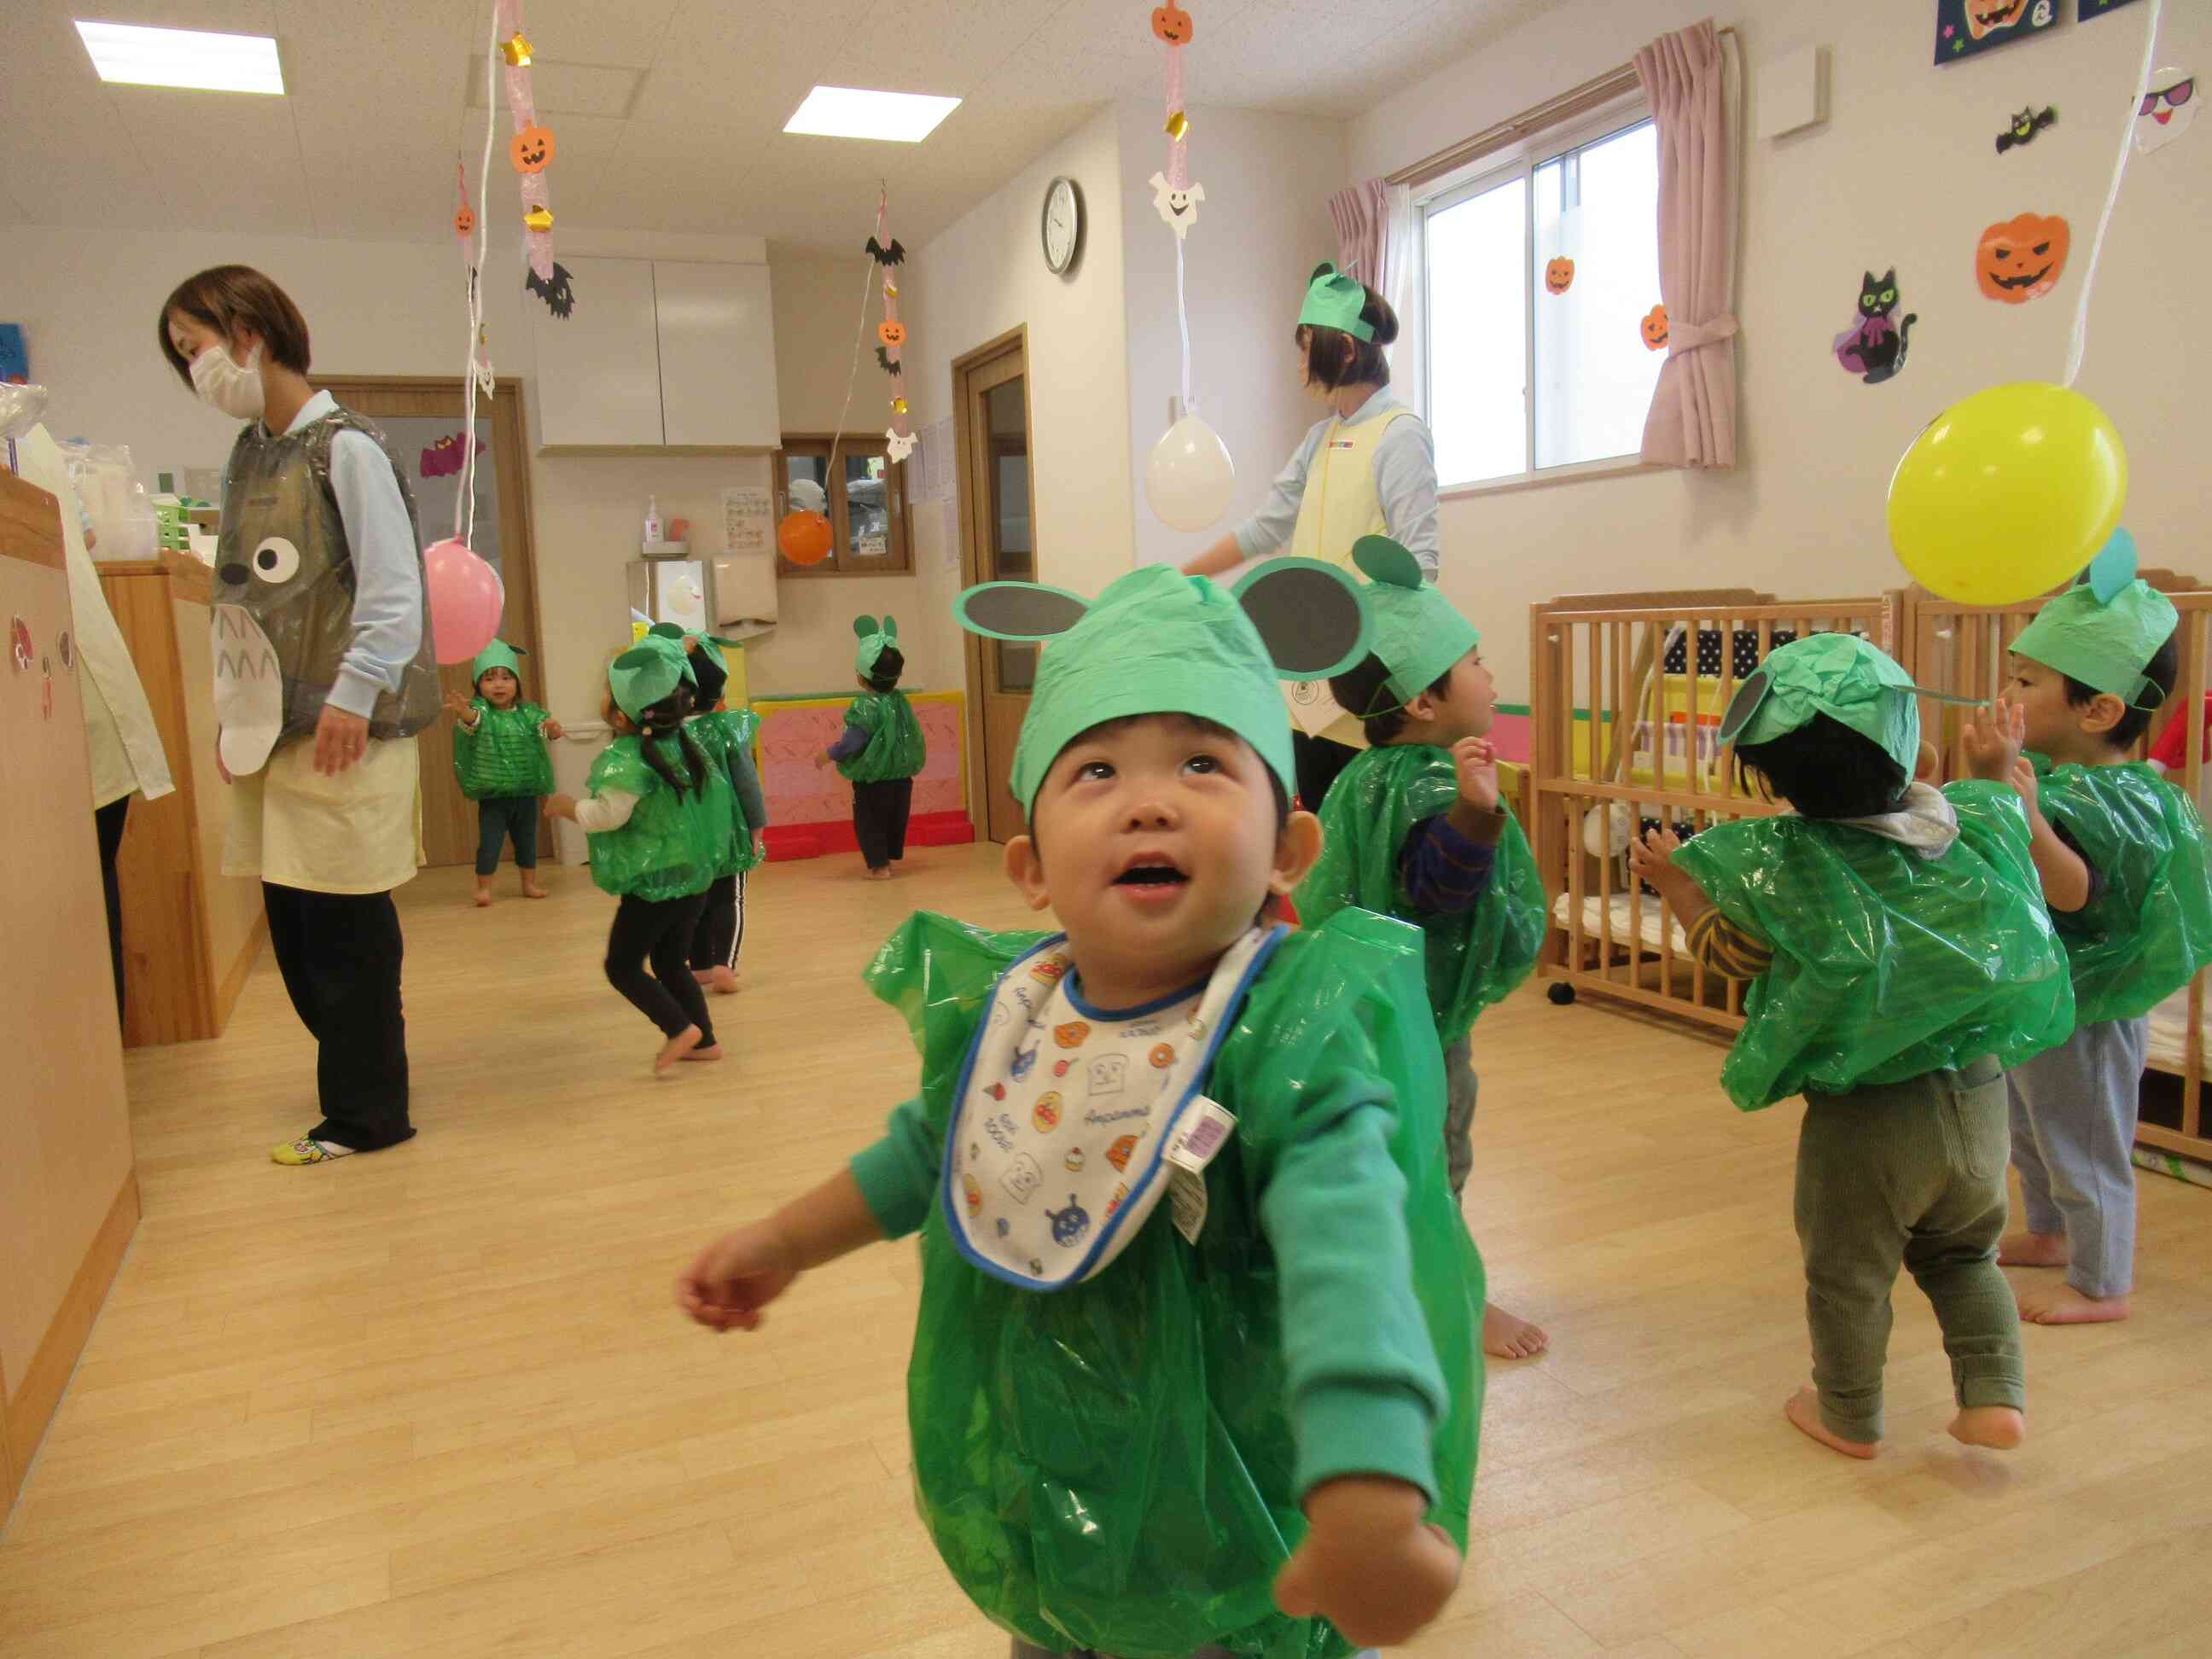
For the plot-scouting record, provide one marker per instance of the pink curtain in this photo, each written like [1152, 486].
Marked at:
[1370, 221]
[1692, 419]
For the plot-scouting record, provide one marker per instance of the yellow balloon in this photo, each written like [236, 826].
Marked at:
[2008, 494]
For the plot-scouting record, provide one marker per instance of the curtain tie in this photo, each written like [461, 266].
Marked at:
[1692, 336]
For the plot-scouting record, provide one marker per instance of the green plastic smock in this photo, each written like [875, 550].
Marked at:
[502, 755]
[2150, 928]
[1887, 964]
[1112, 1465]
[726, 735]
[673, 846]
[1476, 956]
[895, 748]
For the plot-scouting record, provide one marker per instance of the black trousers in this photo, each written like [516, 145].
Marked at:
[720, 933]
[514, 815]
[660, 933]
[108, 821]
[879, 812]
[340, 956]
[1318, 761]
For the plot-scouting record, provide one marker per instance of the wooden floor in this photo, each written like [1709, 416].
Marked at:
[436, 1402]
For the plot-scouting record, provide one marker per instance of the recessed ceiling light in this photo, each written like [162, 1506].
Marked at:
[903, 117]
[136, 57]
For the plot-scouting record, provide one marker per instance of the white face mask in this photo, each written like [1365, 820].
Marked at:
[223, 384]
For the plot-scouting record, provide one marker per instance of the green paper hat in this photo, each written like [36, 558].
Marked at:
[711, 646]
[1159, 642]
[1419, 633]
[498, 655]
[2104, 631]
[1334, 300]
[1841, 676]
[875, 638]
[644, 676]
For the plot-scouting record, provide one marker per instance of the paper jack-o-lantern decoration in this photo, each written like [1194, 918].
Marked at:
[891, 331]
[1558, 276]
[1655, 328]
[884, 249]
[1172, 25]
[1985, 17]
[464, 221]
[531, 149]
[2022, 259]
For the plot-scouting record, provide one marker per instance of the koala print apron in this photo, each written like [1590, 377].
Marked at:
[1070, 1129]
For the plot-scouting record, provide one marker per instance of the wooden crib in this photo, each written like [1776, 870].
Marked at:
[1961, 649]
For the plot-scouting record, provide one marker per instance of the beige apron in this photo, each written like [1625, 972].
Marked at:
[358, 832]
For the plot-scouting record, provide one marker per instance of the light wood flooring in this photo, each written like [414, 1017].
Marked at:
[436, 1402]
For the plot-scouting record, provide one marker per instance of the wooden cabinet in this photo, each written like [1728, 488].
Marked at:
[659, 354]
[189, 933]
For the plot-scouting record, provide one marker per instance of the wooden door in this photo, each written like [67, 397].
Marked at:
[991, 406]
[422, 419]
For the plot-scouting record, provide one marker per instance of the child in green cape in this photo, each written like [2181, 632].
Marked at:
[1900, 958]
[502, 761]
[2122, 857]
[880, 749]
[1243, 1421]
[1412, 828]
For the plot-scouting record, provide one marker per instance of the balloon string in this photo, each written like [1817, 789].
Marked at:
[465, 503]
[1182, 320]
[829, 467]
[2079, 342]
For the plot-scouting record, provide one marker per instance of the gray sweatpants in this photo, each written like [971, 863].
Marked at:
[2073, 1122]
[1460, 1088]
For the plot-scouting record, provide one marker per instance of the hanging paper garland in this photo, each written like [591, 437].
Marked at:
[891, 334]
[532, 151]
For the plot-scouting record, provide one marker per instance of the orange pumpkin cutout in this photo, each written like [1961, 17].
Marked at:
[1655, 328]
[1172, 24]
[2022, 259]
[891, 333]
[464, 221]
[1986, 17]
[531, 149]
[1558, 276]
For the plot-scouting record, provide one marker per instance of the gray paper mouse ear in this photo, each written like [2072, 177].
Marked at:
[1310, 616]
[1018, 610]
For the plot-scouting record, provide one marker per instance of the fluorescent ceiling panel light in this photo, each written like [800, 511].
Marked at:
[131, 56]
[903, 117]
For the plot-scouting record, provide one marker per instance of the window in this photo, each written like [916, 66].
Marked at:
[868, 505]
[1522, 380]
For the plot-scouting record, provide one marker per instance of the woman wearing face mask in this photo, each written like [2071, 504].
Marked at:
[324, 673]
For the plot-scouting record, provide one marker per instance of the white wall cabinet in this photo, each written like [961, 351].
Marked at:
[658, 355]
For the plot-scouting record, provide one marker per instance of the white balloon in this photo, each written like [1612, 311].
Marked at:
[1190, 478]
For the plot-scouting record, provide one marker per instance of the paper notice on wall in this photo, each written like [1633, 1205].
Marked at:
[936, 468]
[748, 515]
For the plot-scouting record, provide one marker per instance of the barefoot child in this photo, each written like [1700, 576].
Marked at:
[1900, 959]
[881, 748]
[2122, 857]
[501, 758]
[660, 816]
[1411, 828]
[1233, 1417]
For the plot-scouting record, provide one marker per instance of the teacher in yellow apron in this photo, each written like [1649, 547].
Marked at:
[1369, 469]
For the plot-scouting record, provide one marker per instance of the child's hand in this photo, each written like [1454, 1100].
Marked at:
[821, 761]
[1475, 759]
[2028, 786]
[1651, 857]
[737, 1276]
[760, 843]
[457, 705]
[1993, 740]
[561, 806]
[551, 730]
[1370, 1565]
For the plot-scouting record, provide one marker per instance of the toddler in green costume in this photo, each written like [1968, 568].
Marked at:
[501, 758]
[661, 819]
[1412, 828]
[881, 748]
[1242, 1421]
[1900, 959]
[2122, 856]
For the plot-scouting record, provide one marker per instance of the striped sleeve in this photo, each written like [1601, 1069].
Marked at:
[1727, 949]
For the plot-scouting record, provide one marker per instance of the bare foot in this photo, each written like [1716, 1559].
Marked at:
[1507, 1337]
[1997, 1426]
[883, 874]
[677, 1048]
[1804, 1410]
[2061, 1304]
[532, 890]
[712, 1051]
[722, 982]
[484, 898]
[2033, 1250]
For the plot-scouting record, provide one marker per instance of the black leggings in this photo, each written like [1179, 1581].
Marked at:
[109, 820]
[879, 814]
[720, 934]
[660, 933]
[340, 955]
[514, 815]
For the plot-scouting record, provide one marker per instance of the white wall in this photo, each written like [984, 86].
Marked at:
[1905, 173]
[1263, 226]
[90, 301]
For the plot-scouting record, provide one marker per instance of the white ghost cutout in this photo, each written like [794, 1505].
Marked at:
[1178, 208]
[2167, 109]
[901, 444]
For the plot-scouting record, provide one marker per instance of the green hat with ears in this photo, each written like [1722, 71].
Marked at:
[498, 655]
[644, 676]
[875, 638]
[711, 646]
[2104, 631]
[1159, 642]
[1335, 301]
[1419, 633]
[1853, 683]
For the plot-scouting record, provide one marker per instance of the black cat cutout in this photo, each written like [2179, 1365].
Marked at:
[1873, 348]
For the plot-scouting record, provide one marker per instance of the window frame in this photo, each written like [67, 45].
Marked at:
[1448, 190]
[898, 560]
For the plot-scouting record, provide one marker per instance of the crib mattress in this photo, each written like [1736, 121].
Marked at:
[2169, 1031]
[1653, 925]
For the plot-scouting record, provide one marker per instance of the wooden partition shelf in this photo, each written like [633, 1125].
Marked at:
[189, 933]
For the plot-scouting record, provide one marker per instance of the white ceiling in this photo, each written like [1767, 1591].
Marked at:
[668, 112]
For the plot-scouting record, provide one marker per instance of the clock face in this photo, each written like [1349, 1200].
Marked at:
[1062, 225]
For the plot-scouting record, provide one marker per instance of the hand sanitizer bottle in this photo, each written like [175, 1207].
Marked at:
[652, 519]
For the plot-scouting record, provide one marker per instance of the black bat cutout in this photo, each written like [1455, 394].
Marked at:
[2025, 125]
[883, 361]
[893, 255]
[559, 294]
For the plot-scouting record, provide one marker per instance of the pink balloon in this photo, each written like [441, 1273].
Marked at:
[466, 600]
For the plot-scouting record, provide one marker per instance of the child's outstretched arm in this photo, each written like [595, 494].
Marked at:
[1651, 860]
[740, 1273]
